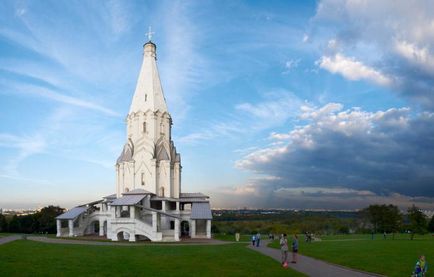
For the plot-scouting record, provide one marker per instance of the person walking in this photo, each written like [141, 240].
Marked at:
[258, 239]
[253, 240]
[284, 250]
[294, 248]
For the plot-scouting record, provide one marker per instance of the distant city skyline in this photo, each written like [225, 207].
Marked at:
[294, 105]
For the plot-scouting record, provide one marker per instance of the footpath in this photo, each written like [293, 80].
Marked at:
[9, 239]
[310, 266]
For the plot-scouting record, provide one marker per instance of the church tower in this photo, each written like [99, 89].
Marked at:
[149, 160]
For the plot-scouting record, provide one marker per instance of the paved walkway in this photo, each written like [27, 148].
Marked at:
[310, 266]
[9, 239]
[89, 242]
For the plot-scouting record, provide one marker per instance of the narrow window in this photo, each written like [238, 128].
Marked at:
[143, 179]
[146, 97]
[144, 127]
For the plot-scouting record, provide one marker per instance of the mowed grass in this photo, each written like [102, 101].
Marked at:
[388, 257]
[29, 258]
[226, 237]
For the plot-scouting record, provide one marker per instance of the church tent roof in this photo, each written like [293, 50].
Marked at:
[91, 203]
[128, 200]
[72, 213]
[201, 211]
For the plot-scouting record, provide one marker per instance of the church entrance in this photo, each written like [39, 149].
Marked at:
[185, 229]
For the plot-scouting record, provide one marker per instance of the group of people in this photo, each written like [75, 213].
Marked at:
[284, 249]
[256, 239]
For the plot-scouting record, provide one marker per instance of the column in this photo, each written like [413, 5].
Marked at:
[132, 211]
[177, 227]
[154, 222]
[59, 228]
[208, 229]
[132, 238]
[71, 227]
[177, 207]
[193, 229]
[101, 227]
[163, 219]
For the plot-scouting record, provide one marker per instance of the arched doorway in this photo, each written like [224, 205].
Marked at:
[123, 236]
[185, 229]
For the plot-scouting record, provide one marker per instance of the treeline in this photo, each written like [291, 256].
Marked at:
[389, 219]
[375, 218]
[43, 221]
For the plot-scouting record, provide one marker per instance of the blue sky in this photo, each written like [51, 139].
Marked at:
[289, 104]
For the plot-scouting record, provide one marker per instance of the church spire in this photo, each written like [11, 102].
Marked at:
[149, 92]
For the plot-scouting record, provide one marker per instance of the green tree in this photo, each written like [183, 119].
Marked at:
[431, 225]
[46, 219]
[14, 225]
[3, 223]
[383, 218]
[417, 221]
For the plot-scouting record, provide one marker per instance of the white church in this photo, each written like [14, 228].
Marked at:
[148, 204]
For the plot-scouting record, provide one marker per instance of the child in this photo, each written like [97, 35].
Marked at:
[421, 267]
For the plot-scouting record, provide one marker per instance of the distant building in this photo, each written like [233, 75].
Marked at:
[148, 203]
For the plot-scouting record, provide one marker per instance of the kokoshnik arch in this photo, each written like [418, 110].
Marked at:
[148, 203]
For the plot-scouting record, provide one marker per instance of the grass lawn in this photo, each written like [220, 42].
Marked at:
[388, 257]
[29, 258]
[226, 237]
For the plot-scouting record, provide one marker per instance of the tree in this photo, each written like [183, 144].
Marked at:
[3, 223]
[417, 221]
[14, 225]
[431, 225]
[384, 218]
[46, 219]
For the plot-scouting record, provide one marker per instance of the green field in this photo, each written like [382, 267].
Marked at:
[226, 237]
[388, 257]
[29, 258]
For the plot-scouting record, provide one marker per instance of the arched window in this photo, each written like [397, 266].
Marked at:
[162, 191]
[146, 97]
[144, 127]
[161, 128]
[143, 179]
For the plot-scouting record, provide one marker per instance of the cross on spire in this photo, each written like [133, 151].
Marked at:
[150, 33]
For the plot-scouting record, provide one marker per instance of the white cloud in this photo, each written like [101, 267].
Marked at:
[291, 64]
[352, 69]
[419, 56]
[395, 36]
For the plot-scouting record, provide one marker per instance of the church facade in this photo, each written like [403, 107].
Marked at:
[148, 203]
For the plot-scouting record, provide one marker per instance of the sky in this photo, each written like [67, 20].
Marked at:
[276, 104]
